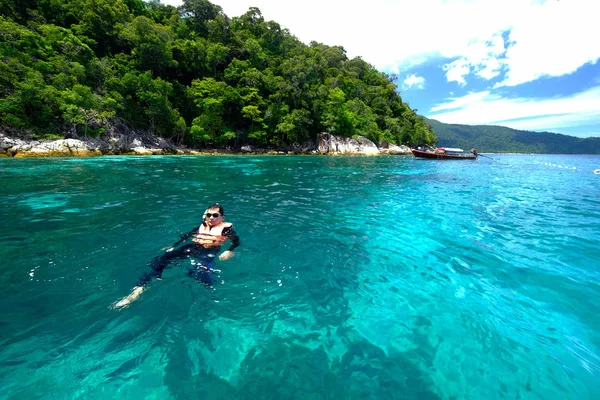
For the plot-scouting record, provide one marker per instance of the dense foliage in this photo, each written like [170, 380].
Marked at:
[499, 139]
[189, 73]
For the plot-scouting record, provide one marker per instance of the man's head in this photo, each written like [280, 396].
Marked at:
[214, 214]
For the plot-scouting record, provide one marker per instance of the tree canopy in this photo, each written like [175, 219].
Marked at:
[190, 73]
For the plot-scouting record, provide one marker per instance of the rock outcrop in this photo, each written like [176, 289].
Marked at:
[330, 144]
[392, 149]
[63, 147]
[111, 145]
[120, 140]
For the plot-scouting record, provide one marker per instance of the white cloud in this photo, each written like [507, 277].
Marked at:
[485, 108]
[483, 57]
[552, 39]
[463, 102]
[456, 71]
[414, 81]
[547, 37]
[489, 69]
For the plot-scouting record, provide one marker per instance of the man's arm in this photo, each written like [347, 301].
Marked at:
[182, 239]
[230, 234]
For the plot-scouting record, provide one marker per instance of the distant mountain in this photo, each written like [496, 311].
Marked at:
[500, 139]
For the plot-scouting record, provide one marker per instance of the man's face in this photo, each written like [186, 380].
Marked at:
[213, 217]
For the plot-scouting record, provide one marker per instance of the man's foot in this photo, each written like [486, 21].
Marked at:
[125, 301]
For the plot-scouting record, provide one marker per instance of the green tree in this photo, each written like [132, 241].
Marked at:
[216, 57]
[77, 106]
[99, 21]
[217, 103]
[147, 103]
[150, 44]
[219, 29]
[337, 119]
[197, 13]
[235, 71]
[190, 58]
[32, 103]
[256, 131]
[294, 127]
[364, 120]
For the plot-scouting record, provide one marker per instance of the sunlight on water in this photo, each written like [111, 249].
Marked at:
[358, 277]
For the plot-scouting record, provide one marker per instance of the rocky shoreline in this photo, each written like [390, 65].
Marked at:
[138, 144]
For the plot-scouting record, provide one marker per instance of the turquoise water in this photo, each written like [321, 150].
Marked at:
[357, 278]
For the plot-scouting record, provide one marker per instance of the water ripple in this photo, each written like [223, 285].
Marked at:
[381, 275]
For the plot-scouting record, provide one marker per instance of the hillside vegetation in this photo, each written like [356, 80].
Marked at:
[190, 74]
[499, 139]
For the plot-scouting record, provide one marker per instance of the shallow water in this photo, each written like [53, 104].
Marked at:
[358, 277]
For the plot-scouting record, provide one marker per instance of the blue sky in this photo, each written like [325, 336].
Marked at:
[525, 64]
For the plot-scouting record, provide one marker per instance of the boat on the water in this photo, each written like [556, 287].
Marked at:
[445, 153]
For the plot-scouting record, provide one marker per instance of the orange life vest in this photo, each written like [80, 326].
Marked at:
[211, 236]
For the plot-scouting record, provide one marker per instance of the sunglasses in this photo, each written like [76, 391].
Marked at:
[214, 215]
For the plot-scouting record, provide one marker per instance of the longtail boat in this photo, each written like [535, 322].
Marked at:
[445, 153]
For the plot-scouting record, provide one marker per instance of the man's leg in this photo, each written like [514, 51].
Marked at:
[157, 265]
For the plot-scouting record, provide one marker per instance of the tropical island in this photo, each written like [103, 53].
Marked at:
[128, 70]
[91, 77]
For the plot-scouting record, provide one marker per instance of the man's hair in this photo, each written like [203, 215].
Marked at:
[217, 206]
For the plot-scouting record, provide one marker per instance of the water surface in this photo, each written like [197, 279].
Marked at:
[358, 277]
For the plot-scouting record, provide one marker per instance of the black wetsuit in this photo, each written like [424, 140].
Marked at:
[202, 257]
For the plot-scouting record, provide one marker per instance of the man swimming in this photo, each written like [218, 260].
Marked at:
[207, 240]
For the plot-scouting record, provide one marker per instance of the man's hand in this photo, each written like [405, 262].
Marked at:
[226, 255]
